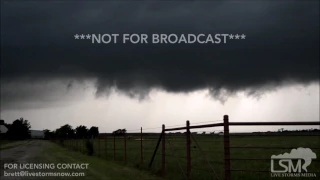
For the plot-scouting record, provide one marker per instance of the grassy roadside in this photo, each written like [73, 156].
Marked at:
[97, 169]
[5, 144]
[213, 149]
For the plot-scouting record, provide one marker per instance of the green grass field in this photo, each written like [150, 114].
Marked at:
[212, 149]
[98, 169]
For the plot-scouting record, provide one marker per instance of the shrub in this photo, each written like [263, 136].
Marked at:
[62, 142]
[89, 146]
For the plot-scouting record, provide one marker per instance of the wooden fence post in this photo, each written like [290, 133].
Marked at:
[125, 148]
[114, 147]
[99, 146]
[226, 148]
[163, 162]
[105, 145]
[84, 144]
[141, 148]
[188, 150]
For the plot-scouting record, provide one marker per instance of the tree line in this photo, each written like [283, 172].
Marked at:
[20, 130]
[67, 132]
[119, 132]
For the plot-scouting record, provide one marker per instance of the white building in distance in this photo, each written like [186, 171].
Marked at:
[37, 134]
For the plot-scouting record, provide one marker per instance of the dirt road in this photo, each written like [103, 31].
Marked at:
[20, 154]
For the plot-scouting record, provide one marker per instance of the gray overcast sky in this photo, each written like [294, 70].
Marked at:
[52, 79]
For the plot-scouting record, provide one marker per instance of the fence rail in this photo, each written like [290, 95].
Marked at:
[142, 149]
[226, 139]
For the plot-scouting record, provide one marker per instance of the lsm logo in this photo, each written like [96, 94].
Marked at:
[290, 164]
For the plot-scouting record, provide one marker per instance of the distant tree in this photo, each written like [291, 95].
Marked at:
[115, 132]
[81, 131]
[203, 132]
[65, 131]
[119, 132]
[48, 134]
[93, 131]
[71, 133]
[19, 129]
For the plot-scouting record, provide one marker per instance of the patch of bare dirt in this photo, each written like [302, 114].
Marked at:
[18, 154]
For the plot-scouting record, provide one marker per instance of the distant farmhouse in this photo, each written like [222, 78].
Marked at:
[3, 128]
[37, 134]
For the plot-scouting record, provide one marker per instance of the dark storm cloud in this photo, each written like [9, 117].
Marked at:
[282, 45]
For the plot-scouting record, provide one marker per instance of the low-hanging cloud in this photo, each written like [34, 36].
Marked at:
[281, 47]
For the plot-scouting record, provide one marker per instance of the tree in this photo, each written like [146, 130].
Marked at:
[93, 131]
[71, 133]
[203, 132]
[19, 129]
[116, 132]
[65, 131]
[48, 134]
[81, 131]
[119, 132]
